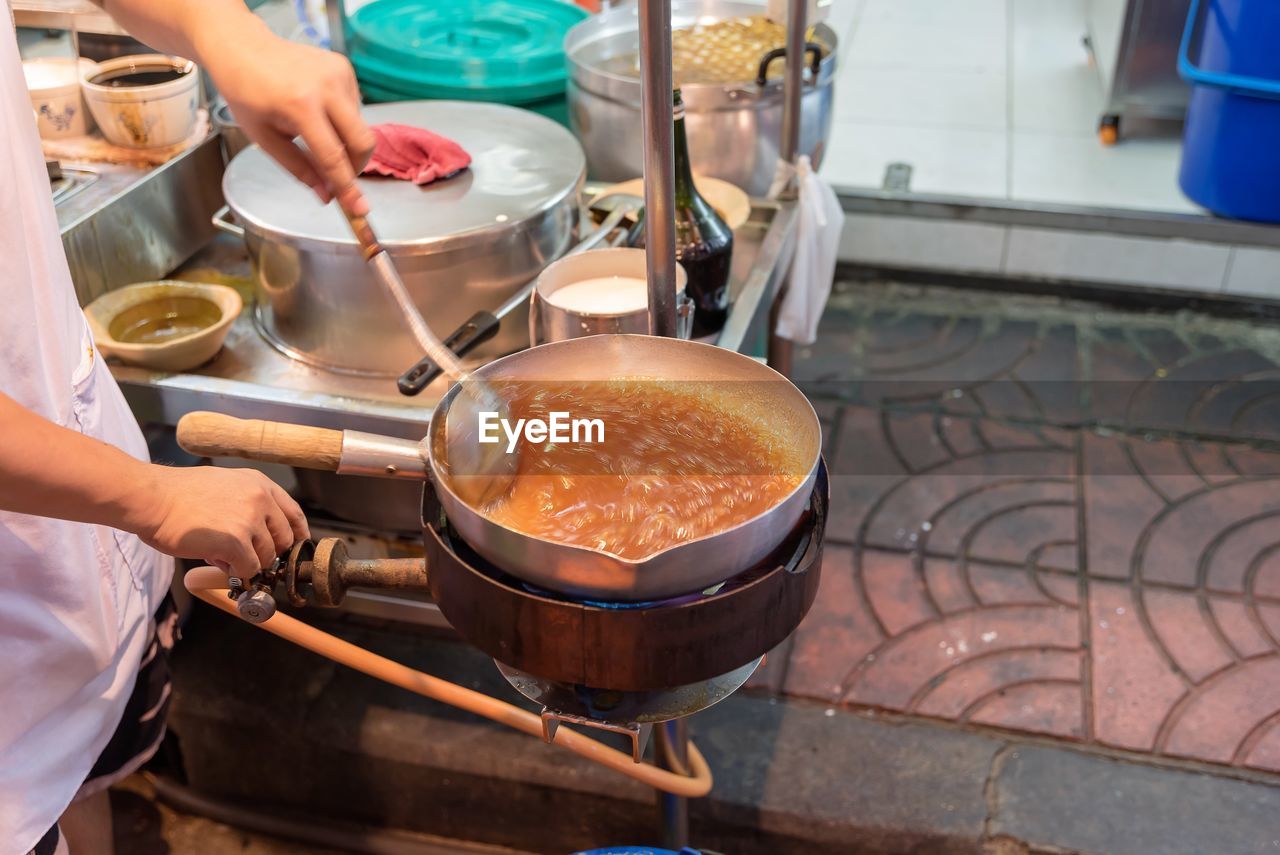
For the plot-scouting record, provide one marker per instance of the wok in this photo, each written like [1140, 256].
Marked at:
[579, 571]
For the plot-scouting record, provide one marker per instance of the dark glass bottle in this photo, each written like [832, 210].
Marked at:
[704, 242]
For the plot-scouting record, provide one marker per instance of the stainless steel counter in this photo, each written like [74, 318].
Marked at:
[123, 224]
[250, 379]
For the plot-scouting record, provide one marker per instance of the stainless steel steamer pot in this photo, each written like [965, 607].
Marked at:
[576, 570]
[461, 245]
[735, 130]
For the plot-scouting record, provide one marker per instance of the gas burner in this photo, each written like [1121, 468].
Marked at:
[631, 714]
[615, 707]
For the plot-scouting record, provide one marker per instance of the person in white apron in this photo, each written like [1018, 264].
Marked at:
[85, 520]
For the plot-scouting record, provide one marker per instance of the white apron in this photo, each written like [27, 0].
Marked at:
[75, 600]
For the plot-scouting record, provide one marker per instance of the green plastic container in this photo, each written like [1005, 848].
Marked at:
[504, 51]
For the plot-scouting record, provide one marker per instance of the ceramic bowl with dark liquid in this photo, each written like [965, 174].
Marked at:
[145, 100]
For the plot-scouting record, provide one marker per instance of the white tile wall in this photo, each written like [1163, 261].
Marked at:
[1059, 254]
[929, 96]
[1254, 273]
[931, 34]
[915, 243]
[944, 160]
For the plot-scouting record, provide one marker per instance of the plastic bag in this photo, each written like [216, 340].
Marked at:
[820, 219]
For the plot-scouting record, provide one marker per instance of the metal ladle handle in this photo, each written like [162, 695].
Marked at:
[386, 273]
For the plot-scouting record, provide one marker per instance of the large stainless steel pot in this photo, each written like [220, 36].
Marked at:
[580, 571]
[461, 245]
[234, 139]
[735, 130]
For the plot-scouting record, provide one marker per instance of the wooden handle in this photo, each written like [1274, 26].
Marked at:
[216, 435]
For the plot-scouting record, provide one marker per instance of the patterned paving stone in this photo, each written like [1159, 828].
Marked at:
[1041, 360]
[1133, 682]
[1117, 585]
[1185, 654]
[941, 356]
[838, 631]
[951, 485]
[979, 643]
[954, 584]
[1187, 380]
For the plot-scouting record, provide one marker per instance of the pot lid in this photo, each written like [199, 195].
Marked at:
[522, 164]
[507, 49]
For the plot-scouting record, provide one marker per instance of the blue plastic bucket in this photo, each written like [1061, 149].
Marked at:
[1231, 142]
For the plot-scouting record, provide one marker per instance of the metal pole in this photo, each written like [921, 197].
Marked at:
[671, 748]
[659, 164]
[793, 85]
[336, 13]
[781, 351]
[672, 741]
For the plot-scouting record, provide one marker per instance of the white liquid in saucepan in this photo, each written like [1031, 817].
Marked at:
[605, 295]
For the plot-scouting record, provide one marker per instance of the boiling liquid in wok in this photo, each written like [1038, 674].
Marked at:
[676, 465]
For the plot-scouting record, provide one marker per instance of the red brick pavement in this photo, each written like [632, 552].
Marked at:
[1102, 588]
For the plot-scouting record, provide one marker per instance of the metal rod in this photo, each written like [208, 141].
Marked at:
[659, 164]
[793, 85]
[781, 353]
[780, 349]
[335, 12]
[671, 749]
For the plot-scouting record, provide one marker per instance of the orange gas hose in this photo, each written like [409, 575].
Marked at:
[210, 585]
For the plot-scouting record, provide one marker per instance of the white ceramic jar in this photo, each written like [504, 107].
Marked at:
[56, 97]
[145, 116]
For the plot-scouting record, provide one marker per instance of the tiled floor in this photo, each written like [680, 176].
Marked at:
[1049, 518]
[985, 98]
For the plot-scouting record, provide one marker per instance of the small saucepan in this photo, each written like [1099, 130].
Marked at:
[579, 571]
[599, 292]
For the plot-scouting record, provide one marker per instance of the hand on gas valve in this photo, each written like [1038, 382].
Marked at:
[279, 91]
[237, 520]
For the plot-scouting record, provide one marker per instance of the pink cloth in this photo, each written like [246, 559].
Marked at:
[414, 154]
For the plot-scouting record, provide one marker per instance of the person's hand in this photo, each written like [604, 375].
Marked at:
[237, 520]
[278, 91]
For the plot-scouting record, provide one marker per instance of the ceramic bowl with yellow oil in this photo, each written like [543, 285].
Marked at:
[166, 326]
